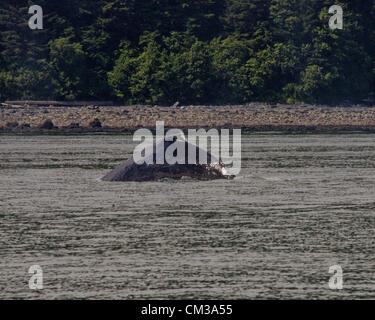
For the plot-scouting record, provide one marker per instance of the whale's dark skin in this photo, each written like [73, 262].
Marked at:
[131, 171]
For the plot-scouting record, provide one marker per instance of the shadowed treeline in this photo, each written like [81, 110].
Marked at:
[197, 51]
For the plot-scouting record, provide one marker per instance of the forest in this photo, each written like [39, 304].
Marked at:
[194, 52]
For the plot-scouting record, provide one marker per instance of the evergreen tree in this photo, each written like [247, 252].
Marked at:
[193, 51]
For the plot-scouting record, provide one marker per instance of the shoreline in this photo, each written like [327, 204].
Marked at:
[253, 117]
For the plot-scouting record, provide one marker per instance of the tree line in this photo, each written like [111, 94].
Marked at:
[192, 51]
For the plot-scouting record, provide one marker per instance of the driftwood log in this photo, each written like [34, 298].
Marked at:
[60, 103]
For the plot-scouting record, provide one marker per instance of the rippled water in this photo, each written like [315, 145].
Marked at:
[301, 204]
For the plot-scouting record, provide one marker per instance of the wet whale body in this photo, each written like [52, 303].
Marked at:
[129, 170]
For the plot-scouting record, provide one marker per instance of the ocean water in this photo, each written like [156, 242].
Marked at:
[301, 204]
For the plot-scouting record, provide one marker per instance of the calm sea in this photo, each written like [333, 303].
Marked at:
[301, 204]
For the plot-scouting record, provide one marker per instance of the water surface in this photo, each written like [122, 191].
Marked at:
[301, 204]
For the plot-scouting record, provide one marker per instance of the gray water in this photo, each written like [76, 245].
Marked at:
[301, 204]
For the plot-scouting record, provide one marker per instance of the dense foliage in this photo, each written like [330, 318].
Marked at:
[192, 51]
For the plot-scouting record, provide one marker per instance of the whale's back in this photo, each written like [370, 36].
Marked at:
[210, 168]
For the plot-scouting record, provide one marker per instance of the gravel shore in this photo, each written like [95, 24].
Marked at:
[251, 117]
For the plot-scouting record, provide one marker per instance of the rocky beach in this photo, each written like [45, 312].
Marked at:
[75, 118]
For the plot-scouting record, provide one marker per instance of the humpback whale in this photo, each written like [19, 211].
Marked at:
[210, 169]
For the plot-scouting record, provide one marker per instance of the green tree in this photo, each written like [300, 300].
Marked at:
[67, 63]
